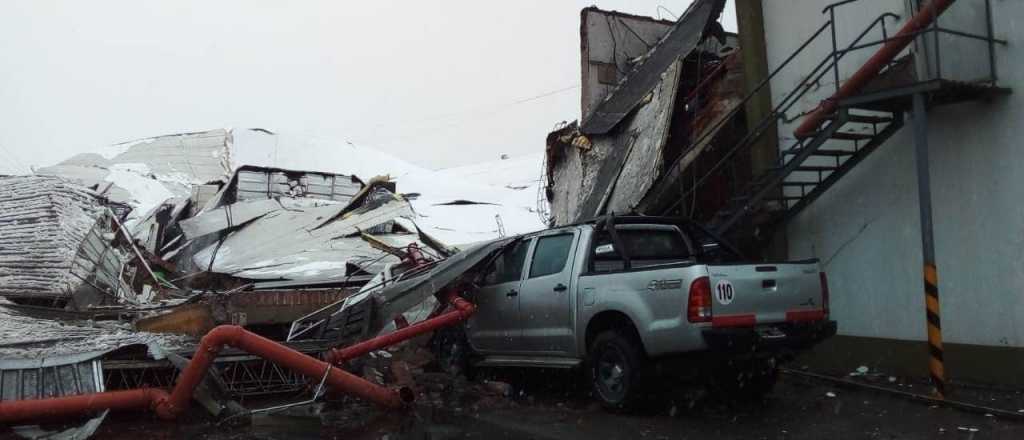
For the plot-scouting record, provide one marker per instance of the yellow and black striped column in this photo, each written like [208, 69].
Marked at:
[936, 367]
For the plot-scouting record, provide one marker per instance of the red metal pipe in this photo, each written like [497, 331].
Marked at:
[463, 310]
[279, 354]
[16, 410]
[873, 65]
[169, 406]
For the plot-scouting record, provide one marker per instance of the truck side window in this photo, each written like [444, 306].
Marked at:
[550, 255]
[509, 265]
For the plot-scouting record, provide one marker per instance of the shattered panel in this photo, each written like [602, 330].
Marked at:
[613, 172]
[310, 244]
[256, 183]
[678, 43]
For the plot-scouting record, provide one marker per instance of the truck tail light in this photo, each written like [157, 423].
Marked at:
[824, 293]
[698, 307]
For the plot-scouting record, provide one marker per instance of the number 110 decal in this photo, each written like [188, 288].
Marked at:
[724, 292]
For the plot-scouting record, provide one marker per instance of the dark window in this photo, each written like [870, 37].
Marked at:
[550, 256]
[607, 73]
[645, 247]
[509, 265]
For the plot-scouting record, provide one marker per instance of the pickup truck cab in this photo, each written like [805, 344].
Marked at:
[620, 294]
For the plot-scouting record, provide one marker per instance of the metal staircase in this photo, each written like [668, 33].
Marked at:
[856, 126]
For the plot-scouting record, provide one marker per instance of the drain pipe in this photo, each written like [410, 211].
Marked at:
[873, 65]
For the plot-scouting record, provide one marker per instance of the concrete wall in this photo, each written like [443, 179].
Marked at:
[866, 230]
[607, 39]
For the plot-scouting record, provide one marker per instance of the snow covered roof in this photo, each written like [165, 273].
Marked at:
[505, 190]
[146, 172]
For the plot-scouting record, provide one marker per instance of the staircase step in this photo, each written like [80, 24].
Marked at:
[800, 184]
[824, 152]
[865, 119]
[814, 168]
[851, 136]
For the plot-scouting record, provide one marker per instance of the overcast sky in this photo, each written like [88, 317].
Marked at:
[441, 83]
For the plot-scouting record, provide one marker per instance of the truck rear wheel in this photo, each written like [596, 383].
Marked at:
[614, 363]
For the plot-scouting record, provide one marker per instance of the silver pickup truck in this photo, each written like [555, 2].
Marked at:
[619, 295]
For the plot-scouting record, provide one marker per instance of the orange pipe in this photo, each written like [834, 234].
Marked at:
[873, 65]
[16, 410]
[463, 310]
[169, 406]
[308, 366]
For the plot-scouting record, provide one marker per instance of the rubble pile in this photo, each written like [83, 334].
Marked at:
[114, 264]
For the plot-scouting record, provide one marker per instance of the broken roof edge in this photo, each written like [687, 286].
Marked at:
[594, 8]
[626, 95]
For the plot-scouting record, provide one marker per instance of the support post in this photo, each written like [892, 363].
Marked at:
[936, 366]
[764, 152]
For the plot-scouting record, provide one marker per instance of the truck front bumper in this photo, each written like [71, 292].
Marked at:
[792, 336]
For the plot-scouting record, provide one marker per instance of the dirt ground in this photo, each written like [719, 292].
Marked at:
[551, 405]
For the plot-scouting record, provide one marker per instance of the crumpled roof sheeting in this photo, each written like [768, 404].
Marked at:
[43, 221]
[305, 243]
[25, 337]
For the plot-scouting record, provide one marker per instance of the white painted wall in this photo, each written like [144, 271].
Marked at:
[866, 229]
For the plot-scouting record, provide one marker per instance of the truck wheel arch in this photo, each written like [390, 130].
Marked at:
[611, 320]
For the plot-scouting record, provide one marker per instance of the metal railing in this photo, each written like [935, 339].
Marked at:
[828, 64]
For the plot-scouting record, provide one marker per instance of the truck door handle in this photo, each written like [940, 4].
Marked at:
[560, 288]
[512, 293]
[768, 284]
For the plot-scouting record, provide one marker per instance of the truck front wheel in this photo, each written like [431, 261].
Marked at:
[614, 364]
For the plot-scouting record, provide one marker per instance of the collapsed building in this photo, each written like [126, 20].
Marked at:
[114, 264]
[659, 98]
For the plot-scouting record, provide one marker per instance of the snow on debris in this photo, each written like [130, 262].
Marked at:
[515, 209]
[493, 197]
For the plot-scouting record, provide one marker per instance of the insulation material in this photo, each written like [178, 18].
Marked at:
[43, 224]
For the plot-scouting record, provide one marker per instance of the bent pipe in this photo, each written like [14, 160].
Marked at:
[462, 311]
[168, 406]
[873, 65]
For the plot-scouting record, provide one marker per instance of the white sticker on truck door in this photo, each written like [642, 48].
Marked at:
[724, 292]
